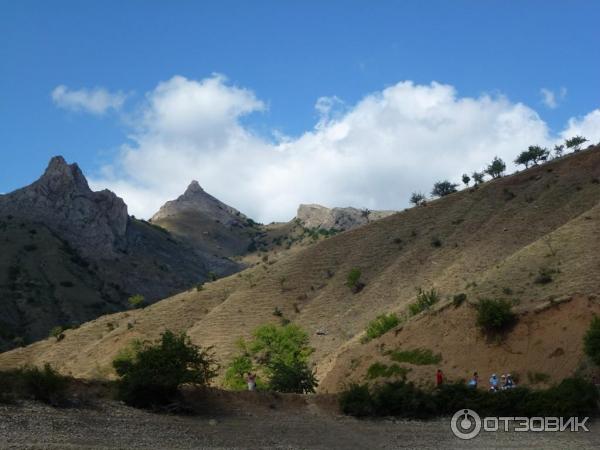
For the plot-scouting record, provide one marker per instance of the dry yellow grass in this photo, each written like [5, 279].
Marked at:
[494, 240]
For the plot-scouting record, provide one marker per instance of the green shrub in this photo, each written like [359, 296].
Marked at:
[150, 374]
[279, 355]
[379, 370]
[418, 356]
[425, 300]
[136, 301]
[591, 341]
[357, 401]
[57, 332]
[44, 385]
[459, 299]
[572, 397]
[381, 325]
[495, 315]
[236, 372]
[293, 377]
[353, 280]
[545, 275]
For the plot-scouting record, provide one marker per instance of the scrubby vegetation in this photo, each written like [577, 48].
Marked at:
[44, 385]
[443, 188]
[380, 370]
[151, 373]
[418, 357]
[353, 280]
[591, 341]
[136, 301]
[279, 356]
[425, 300]
[380, 325]
[495, 315]
[572, 397]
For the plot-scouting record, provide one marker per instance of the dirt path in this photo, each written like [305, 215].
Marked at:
[111, 425]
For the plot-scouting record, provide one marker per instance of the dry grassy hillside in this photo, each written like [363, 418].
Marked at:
[491, 241]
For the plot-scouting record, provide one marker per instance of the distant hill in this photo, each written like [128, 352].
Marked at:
[490, 241]
[70, 254]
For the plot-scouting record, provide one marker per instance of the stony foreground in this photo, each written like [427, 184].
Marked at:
[111, 425]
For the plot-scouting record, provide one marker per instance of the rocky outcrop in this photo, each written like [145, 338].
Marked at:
[341, 219]
[196, 200]
[206, 223]
[95, 223]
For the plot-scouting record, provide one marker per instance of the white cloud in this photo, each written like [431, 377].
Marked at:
[95, 101]
[372, 154]
[587, 126]
[552, 99]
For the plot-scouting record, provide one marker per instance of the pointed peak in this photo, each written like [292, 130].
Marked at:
[194, 187]
[61, 172]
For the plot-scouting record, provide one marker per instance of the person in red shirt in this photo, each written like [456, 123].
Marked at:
[439, 377]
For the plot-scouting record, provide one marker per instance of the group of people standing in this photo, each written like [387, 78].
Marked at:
[496, 384]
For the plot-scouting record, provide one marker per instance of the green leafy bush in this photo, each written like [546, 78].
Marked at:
[381, 325]
[293, 377]
[545, 275]
[591, 341]
[353, 280]
[136, 301]
[419, 356]
[495, 315]
[425, 300]
[150, 374]
[279, 355]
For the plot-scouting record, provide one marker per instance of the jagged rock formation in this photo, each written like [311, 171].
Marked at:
[93, 222]
[207, 224]
[341, 219]
[70, 254]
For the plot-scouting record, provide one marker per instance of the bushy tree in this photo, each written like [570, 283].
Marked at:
[279, 354]
[575, 143]
[151, 373]
[466, 179]
[558, 150]
[417, 198]
[591, 341]
[496, 168]
[443, 188]
[524, 159]
[538, 154]
[477, 177]
[495, 315]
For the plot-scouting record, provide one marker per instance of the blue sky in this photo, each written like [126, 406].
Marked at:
[288, 54]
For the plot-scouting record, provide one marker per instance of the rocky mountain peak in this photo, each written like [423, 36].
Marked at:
[193, 188]
[197, 200]
[60, 176]
[93, 222]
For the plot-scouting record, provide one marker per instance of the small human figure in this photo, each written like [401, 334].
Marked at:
[509, 381]
[494, 383]
[251, 380]
[503, 382]
[439, 377]
[474, 381]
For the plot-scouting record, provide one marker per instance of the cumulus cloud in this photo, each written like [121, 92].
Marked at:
[95, 101]
[371, 154]
[587, 126]
[551, 99]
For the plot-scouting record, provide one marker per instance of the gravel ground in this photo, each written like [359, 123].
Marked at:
[111, 425]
